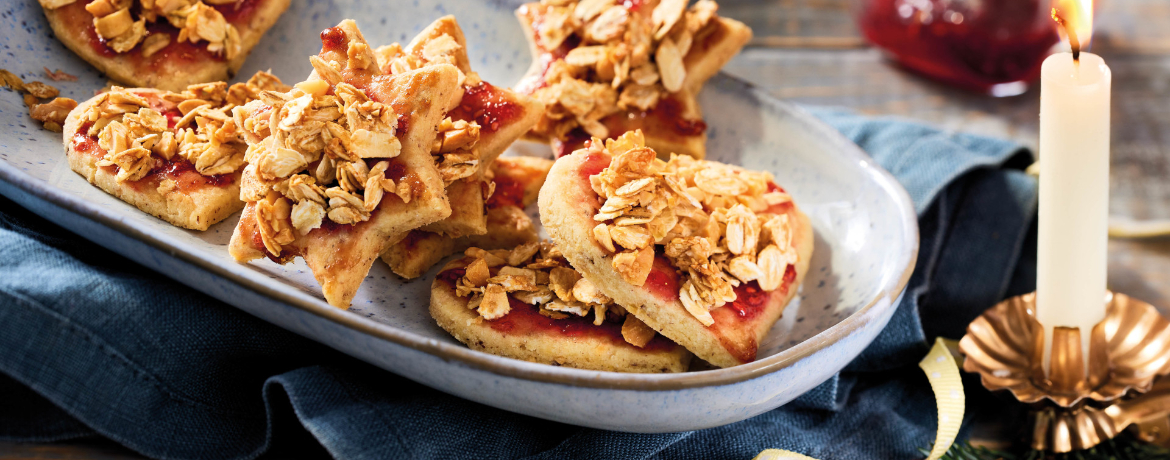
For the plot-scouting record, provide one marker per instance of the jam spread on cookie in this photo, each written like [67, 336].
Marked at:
[663, 279]
[399, 173]
[525, 319]
[185, 177]
[334, 39]
[172, 142]
[734, 319]
[718, 238]
[532, 289]
[152, 38]
[522, 318]
[488, 106]
[665, 120]
[609, 68]
[509, 192]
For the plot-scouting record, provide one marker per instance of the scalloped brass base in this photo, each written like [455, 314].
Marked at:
[1076, 410]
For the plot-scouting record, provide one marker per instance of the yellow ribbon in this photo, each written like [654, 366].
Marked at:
[777, 454]
[943, 374]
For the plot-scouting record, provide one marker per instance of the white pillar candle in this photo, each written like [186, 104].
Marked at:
[1074, 195]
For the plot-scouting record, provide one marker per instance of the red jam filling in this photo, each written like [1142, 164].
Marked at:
[525, 319]
[663, 278]
[398, 172]
[509, 192]
[76, 17]
[592, 165]
[575, 140]
[186, 177]
[335, 46]
[248, 227]
[451, 276]
[547, 58]
[665, 119]
[403, 125]
[182, 172]
[84, 143]
[487, 105]
[737, 318]
[333, 39]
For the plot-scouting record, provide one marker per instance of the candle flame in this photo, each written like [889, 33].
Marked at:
[1078, 20]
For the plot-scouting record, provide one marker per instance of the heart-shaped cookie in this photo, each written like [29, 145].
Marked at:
[526, 303]
[167, 45]
[705, 253]
[171, 154]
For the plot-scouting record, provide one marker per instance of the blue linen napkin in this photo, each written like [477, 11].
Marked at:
[96, 345]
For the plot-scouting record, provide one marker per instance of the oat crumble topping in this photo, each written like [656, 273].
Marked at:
[537, 274]
[307, 152]
[114, 22]
[454, 149]
[625, 60]
[133, 132]
[59, 75]
[710, 219]
[51, 114]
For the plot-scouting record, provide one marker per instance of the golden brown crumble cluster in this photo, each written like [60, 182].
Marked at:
[710, 218]
[51, 114]
[626, 60]
[114, 22]
[443, 49]
[307, 156]
[537, 274]
[132, 132]
[454, 150]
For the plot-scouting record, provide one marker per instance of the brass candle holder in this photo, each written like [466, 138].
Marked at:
[1074, 409]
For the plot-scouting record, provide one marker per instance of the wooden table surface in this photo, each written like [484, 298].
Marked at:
[810, 52]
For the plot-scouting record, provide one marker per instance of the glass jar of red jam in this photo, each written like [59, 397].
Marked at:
[990, 46]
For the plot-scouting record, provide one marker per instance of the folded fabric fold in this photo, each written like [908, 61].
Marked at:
[94, 343]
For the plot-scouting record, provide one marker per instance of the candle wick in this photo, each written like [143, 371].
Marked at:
[1072, 35]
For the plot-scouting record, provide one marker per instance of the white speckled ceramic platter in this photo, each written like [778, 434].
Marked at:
[866, 236]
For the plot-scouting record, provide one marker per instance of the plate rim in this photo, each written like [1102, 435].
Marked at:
[513, 368]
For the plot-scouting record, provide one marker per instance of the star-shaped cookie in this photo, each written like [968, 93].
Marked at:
[606, 67]
[163, 44]
[487, 120]
[341, 167]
